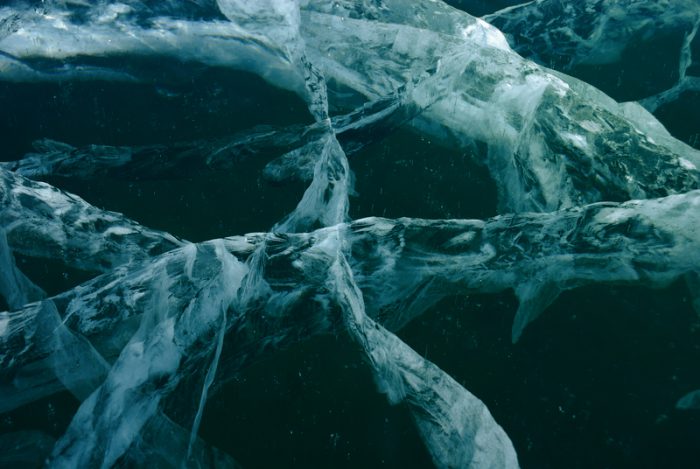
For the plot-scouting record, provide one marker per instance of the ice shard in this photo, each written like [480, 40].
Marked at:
[456, 426]
[42, 221]
[146, 369]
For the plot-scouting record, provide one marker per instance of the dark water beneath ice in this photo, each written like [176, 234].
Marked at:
[593, 383]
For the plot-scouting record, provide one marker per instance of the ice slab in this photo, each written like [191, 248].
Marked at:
[401, 266]
[42, 221]
[551, 142]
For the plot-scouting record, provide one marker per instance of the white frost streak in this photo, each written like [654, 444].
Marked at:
[457, 427]
[484, 33]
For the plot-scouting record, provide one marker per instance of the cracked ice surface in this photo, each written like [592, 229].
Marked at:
[644, 51]
[42, 221]
[649, 240]
[459, 72]
[590, 192]
[592, 31]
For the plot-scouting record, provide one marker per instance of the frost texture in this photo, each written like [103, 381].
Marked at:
[42, 221]
[590, 191]
[643, 51]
